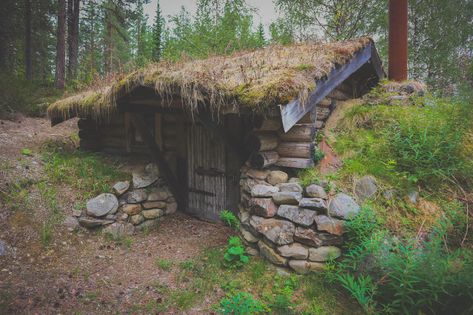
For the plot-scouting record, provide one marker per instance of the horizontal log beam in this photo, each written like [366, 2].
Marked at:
[264, 159]
[296, 149]
[300, 133]
[295, 162]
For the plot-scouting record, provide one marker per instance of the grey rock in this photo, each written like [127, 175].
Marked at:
[295, 251]
[316, 191]
[135, 196]
[247, 184]
[330, 225]
[413, 196]
[158, 195]
[304, 266]
[291, 187]
[93, 222]
[297, 215]
[277, 177]
[136, 219]
[279, 232]
[112, 217]
[287, 197]
[3, 248]
[123, 217]
[313, 203]
[102, 205]
[117, 230]
[147, 176]
[294, 180]
[271, 255]
[257, 174]
[316, 239]
[264, 207]
[171, 208]
[154, 204]
[251, 251]
[131, 209]
[244, 216]
[152, 213]
[76, 213]
[148, 225]
[366, 188]
[248, 236]
[263, 190]
[343, 206]
[324, 253]
[389, 194]
[71, 223]
[121, 187]
[283, 272]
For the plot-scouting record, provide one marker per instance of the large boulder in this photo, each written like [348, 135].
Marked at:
[280, 232]
[316, 191]
[304, 266]
[102, 205]
[330, 225]
[294, 250]
[297, 215]
[343, 206]
[145, 177]
[121, 187]
[287, 197]
[135, 196]
[313, 203]
[263, 190]
[271, 255]
[324, 253]
[277, 177]
[365, 188]
[264, 207]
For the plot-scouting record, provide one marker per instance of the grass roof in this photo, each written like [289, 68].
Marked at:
[255, 79]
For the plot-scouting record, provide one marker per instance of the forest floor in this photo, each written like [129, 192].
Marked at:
[175, 269]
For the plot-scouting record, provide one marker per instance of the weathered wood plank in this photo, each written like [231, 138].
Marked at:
[264, 159]
[296, 149]
[295, 162]
[300, 133]
[262, 141]
[294, 111]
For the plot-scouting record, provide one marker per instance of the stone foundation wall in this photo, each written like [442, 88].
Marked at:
[291, 226]
[131, 206]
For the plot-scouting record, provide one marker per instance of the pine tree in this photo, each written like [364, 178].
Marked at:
[158, 33]
[73, 10]
[260, 38]
[61, 45]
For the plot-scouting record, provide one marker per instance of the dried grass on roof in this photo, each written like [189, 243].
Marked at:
[256, 79]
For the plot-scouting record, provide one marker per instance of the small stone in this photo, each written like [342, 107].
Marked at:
[121, 187]
[330, 225]
[154, 205]
[146, 177]
[315, 239]
[158, 195]
[263, 191]
[147, 225]
[279, 232]
[92, 222]
[102, 205]
[389, 194]
[295, 250]
[297, 215]
[71, 223]
[3, 248]
[248, 236]
[294, 180]
[271, 255]
[264, 207]
[257, 174]
[277, 177]
[244, 215]
[304, 266]
[251, 251]
[291, 187]
[76, 213]
[316, 191]
[112, 217]
[123, 217]
[135, 196]
[365, 188]
[286, 197]
[247, 184]
[131, 209]
[343, 206]
[136, 219]
[117, 230]
[413, 196]
[313, 203]
[153, 213]
[171, 208]
[324, 253]
[283, 272]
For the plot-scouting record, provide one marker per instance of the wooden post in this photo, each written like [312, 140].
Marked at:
[156, 153]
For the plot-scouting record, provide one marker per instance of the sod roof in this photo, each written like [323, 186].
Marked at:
[254, 79]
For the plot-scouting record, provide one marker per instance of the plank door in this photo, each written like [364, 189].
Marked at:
[206, 173]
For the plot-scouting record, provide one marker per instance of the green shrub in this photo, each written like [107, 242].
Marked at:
[164, 264]
[230, 219]
[241, 303]
[235, 256]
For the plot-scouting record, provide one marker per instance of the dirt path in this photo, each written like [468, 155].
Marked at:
[82, 272]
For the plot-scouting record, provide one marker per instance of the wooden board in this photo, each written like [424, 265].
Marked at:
[295, 162]
[296, 149]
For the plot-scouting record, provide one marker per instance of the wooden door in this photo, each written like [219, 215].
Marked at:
[206, 173]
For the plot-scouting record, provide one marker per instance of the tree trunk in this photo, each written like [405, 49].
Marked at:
[61, 44]
[28, 57]
[73, 9]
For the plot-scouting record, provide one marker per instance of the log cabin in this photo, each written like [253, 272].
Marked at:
[202, 120]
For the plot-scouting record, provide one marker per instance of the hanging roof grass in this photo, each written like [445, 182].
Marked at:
[254, 79]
